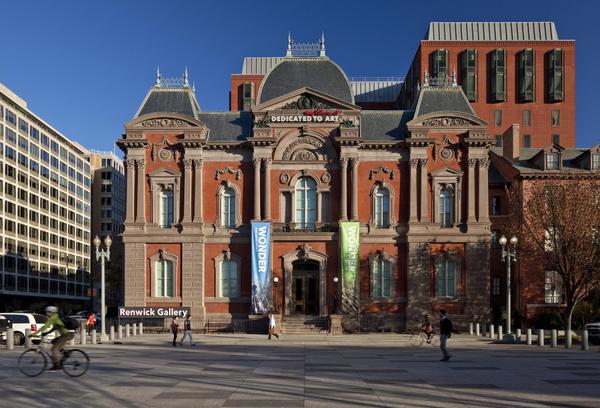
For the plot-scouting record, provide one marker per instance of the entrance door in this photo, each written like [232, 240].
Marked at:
[305, 288]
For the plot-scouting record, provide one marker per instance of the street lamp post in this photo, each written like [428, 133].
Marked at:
[103, 255]
[275, 285]
[509, 255]
[335, 295]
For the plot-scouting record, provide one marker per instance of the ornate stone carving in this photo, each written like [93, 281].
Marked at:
[347, 123]
[383, 170]
[140, 163]
[302, 140]
[227, 254]
[267, 161]
[261, 123]
[484, 163]
[198, 163]
[165, 154]
[413, 163]
[424, 162]
[471, 162]
[446, 153]
[354, 161]
[304, 253]
[165, 123]
[187, 163]
[344, 161]
[129, 163]
[447, 122]
[326, 178]
[256, 161]
[229, 170]
[284, 178]
[306, 102]
[304, 155]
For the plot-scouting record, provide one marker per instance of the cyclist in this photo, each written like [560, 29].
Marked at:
[427, 327]
[58, 343]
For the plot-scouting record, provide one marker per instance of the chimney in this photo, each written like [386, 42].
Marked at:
[510, 142]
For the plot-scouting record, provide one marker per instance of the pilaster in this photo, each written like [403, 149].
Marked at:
[140, 216]
[267, 164]
[257, 164]
[344, 189]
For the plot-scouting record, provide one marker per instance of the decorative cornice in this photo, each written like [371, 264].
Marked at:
[383, 170]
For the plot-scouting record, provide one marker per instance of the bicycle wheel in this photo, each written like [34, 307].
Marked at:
[416, 340]
[75, 363]
[435, 341]
[32, 363]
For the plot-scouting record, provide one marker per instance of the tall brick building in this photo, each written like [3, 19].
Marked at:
[307, 149]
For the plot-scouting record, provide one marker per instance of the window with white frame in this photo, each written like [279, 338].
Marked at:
[382, 278]
[447, 276]
[446, 206]
[553, 287]
[306, 202]
[381, 204]
[228, 210]
[229, 279]
[595, 161]
[164, 278]
[552, 161]
[166, 208]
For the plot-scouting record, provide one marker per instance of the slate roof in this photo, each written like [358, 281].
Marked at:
[525, 165]
[375, 91]
[320, 74]
[442, 98]
[177, 100]
[227, 126]
[384, 125]
[491, 31]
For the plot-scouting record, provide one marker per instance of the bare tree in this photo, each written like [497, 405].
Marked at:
[558, 223]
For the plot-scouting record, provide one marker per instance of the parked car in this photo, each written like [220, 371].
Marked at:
[4, 324]
[22, 321]
[83, 316]
[593, 332]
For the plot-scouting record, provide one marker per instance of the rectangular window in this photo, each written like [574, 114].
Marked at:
[527, 118]
[164, 278]
[526, 59]
[382, 278]
[23, 126]
[23, 144]
[439, 66]
[495, 237]
[34, 133]
[555, 115]
[496, 286]
[229, 279]
[553, 287]
[554, 75]
[556, 139]
[595, 165]
[552, 161]
[446, 206]
[496, 76]
[498, 117]
[382, 207]
[526, 140]
[468, 63]
[11, 136]
[446, 277]
[496, 205]
[498, 140]
[10, 117]
[165, 207]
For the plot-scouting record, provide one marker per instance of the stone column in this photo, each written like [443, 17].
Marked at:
[344, 189]
[471, 191]
[413, 190]
[257, 162]
[141, 192]
[198, 185]
[187, 190]
[354, 162]
[424, 190]
[484, 165]
[130, 166]
[267, 161]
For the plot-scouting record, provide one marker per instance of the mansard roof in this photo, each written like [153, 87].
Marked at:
[227, 126]
[442, 99]
[165, 99]
[573, 160]
[384, 125]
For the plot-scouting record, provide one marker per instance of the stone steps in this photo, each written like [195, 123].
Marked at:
[300, 324]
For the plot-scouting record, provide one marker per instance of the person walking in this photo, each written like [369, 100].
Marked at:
[187, 331]
[175, 329]
[272, 328]
[427, 327]
[91, 323]
[445, 334]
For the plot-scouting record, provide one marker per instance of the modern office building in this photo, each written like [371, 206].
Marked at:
[108, 214]
[45, 211]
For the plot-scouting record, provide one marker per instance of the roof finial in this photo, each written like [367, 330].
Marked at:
[289, 47]
[194, 87]
[322, 45]
[158, 77]
[454, 77]
[186, 81]
[426, 81]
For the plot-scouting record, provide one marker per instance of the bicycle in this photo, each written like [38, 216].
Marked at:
[418, 339]
[33, 362]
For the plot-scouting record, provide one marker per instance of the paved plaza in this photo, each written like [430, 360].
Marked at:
[375, 370]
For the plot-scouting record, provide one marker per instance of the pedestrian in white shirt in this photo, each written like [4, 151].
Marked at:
[272, 326]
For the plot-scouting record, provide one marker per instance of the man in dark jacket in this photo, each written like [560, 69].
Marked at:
[175, 329]
[445, 334]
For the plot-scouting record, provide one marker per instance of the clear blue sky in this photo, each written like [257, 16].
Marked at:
[85, 66]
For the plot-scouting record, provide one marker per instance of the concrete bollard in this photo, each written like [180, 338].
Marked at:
[584, 341]
[553, 338]
[134, 329]
[529, 337]
[120, 332]
[82, 337]
[10, 338]
[27, 338]
[477, 330]
[470, 329]
[94, 339]
[519, 335]
[127, 330]
[491, 331]
[141, 329]
[72, 341]
[500, 332]
[484, 330]
[111, 333]
[541, 337]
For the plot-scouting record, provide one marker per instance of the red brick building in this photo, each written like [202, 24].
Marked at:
[304, 148]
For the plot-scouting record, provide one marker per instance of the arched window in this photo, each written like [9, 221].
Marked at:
[228, 209]
[166, 208]
[382, 207]
[306, 202]
[382, 278]
[446, 207]
[447, 277]
[229, 279]
[164, 278]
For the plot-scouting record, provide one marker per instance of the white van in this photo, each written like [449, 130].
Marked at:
[22, 321]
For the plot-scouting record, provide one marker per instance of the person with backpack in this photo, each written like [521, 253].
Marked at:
[65, 326]
[175, 329]
[187, 331]
[445, 334]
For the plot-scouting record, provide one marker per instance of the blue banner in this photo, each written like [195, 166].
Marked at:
[261, 267]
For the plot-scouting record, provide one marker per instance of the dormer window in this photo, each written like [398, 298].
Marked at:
[595, 161]
[552, 161]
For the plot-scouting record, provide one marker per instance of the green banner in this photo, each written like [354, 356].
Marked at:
[349, 246]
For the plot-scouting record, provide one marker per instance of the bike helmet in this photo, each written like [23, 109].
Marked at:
[51, 309]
